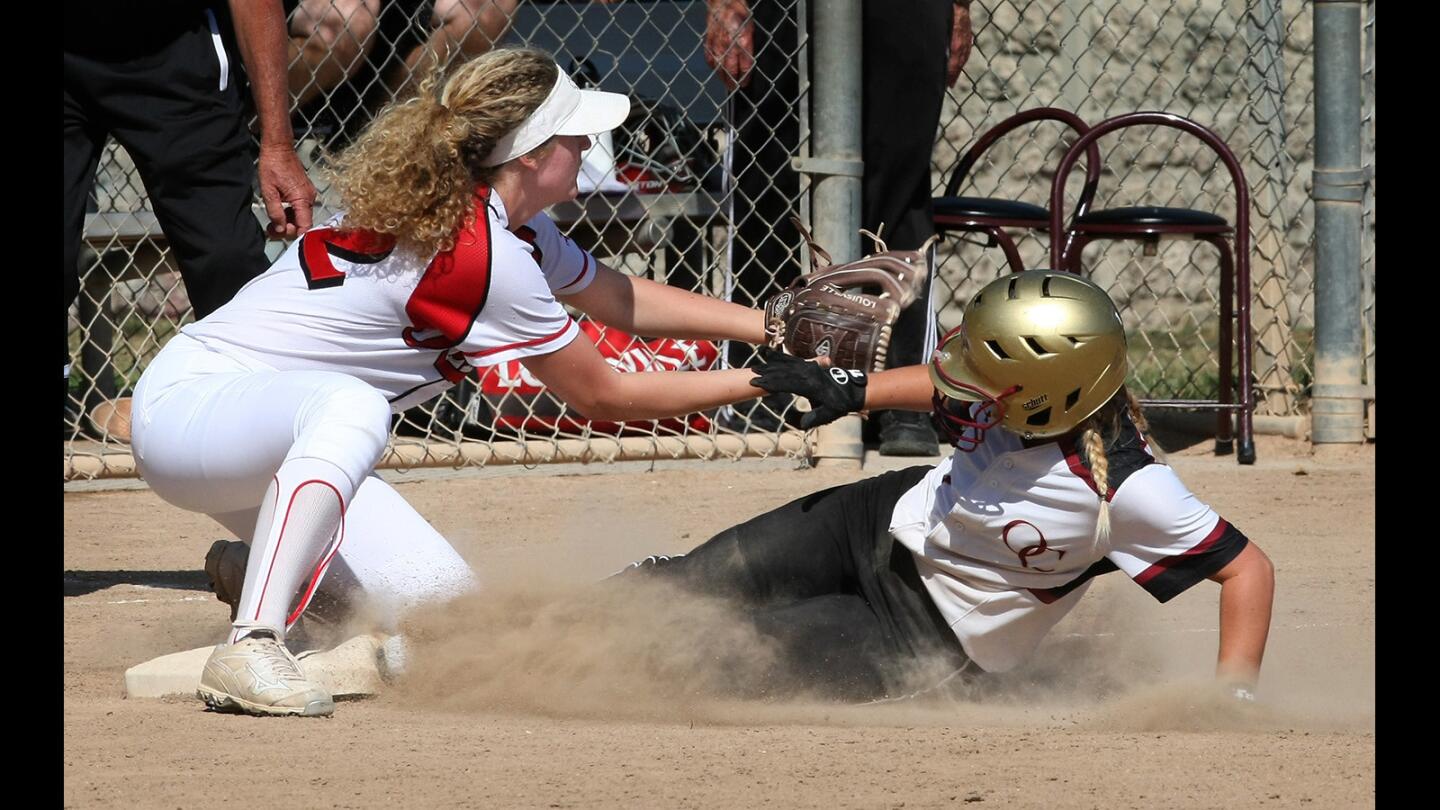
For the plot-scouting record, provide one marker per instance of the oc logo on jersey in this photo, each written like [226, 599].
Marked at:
[1025, 540]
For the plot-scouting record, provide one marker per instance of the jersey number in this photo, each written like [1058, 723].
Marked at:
[357, 247]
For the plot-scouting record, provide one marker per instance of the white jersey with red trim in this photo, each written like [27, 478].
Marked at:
[410, 325]
[1004, 537]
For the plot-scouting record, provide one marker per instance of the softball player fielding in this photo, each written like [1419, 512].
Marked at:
[271, 413]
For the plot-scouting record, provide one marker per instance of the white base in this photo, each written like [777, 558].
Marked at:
[351, 669]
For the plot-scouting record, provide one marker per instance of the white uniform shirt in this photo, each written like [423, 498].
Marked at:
[410, 325]
[1004, 537]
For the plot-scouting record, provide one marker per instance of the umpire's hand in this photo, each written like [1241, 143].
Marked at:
[288, 194]
[833, 392]
[730, 41]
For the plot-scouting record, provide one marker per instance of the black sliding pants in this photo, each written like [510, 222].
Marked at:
[822, 576]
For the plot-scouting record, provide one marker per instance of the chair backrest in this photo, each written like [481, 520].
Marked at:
[1150, 118]
[1092, 157]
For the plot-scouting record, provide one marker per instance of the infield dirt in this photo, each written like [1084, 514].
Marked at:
[537, 693]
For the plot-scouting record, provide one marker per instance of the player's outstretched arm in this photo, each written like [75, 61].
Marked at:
[643, 307]
[834, 392]
[579, 376]
[1247, 593]
[907, 388]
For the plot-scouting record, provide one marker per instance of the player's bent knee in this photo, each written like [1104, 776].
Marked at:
[346, 422]
[363, 407]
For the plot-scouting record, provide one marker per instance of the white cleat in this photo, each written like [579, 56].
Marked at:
[257, 675]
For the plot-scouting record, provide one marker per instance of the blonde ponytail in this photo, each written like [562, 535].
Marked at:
[412, 173]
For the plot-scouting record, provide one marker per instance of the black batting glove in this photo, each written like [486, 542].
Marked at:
[833, 392]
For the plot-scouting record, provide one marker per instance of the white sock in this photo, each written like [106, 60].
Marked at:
[302, 514]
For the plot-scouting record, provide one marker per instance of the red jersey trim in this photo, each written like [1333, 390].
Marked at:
[1072, 459]
[528, 236]
[455, 286]
[524, 344]
[584, 271]
[1071, 449]
[1051, 595]
[1167, 563]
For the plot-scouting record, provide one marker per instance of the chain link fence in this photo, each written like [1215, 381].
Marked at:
[1242, 68]
[665, 198]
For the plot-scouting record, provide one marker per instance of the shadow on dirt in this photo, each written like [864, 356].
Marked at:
[80, 583]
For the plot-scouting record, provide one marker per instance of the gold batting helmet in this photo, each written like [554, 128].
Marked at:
[1041, 350]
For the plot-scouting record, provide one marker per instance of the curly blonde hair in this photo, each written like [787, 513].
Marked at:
[412, 173]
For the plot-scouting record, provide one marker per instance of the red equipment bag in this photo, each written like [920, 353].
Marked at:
[517, 401]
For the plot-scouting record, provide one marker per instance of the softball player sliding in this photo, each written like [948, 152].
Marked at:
[271, 413]
[974, 560]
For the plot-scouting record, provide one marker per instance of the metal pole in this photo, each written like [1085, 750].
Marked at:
[1367, 234]
[1338, 398]
[836, 168]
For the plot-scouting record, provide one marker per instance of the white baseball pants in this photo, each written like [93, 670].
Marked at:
[285, 460]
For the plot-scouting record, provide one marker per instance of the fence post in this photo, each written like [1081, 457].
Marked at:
[1338, 398]
[836, 168]
[1367, 216]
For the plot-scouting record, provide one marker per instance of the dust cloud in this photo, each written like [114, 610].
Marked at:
[639, 649]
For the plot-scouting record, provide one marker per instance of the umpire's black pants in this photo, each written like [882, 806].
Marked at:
[904, 51]
[153, 80]
[823, 577]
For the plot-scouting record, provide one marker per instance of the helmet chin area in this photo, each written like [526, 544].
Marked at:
[962, 422]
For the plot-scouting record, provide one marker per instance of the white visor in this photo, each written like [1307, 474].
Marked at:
[568, 110]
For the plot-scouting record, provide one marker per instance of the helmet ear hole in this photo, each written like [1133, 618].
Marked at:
[1072, 398]
[1040, 419]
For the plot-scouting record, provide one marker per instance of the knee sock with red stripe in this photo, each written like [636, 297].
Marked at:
[299, 528]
